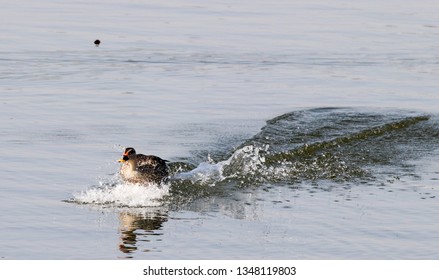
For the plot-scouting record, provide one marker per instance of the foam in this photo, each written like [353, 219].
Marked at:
[124, 195]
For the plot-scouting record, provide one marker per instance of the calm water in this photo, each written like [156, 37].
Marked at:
[294, 129]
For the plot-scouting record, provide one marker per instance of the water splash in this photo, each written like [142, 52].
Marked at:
[123, 195]
[244, 162]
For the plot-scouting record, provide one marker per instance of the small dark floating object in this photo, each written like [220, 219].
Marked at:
[97, 42]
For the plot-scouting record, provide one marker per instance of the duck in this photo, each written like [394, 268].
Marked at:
[142, 169]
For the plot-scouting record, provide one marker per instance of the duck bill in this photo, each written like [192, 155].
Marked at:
[123, 159]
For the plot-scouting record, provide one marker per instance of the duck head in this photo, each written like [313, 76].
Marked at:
[129, 153]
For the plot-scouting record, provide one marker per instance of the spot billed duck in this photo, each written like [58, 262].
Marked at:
[138, 168]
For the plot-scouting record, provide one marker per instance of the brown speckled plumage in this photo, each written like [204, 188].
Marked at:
[138, 168]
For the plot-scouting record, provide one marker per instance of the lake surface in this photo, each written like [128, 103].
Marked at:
[294, 129]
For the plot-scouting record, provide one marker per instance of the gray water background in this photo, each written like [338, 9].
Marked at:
[186, 79]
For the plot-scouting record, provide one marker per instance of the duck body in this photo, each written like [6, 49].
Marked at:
[142, 169]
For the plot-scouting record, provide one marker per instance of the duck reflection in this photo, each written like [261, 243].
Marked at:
[138, 227]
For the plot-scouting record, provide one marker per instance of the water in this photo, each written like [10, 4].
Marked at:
[305, 130]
